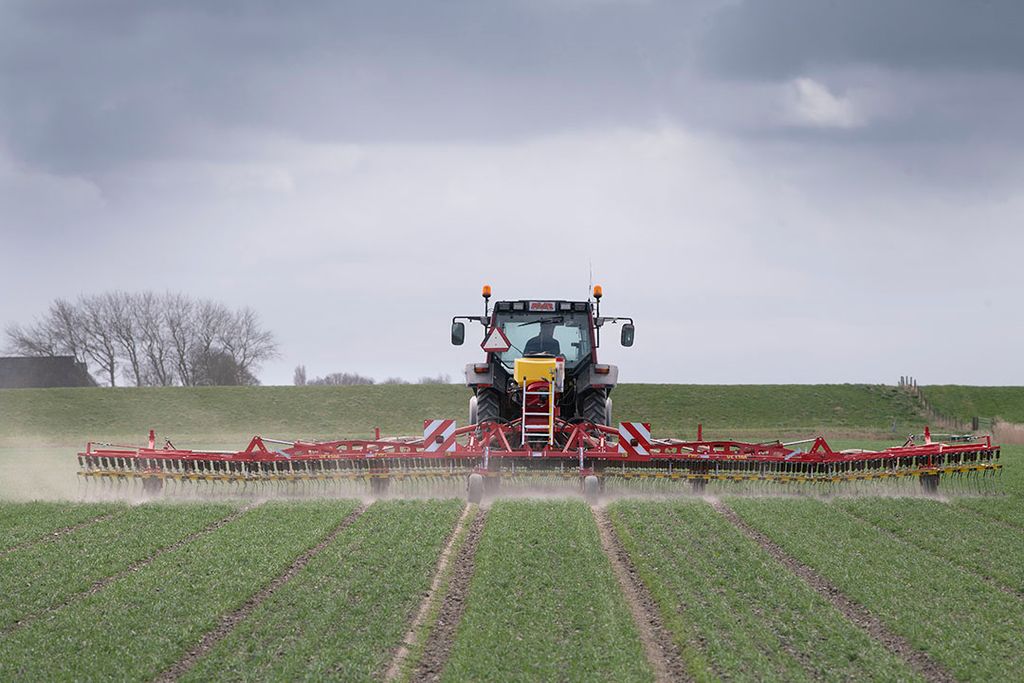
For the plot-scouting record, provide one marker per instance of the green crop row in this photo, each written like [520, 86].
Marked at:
[735, 612]
[965, 539]
[544, 603]
[143, 623]
[344, 614]
[24, 522]
[1008, 510]
[45, 575]
[970, 627]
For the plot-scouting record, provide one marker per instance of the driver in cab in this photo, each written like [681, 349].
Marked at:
[544, 342]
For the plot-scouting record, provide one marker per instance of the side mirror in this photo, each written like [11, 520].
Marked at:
[627, 335]
[458, 333]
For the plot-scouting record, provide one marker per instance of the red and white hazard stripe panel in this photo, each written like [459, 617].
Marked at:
[635, 438]
[439, 436]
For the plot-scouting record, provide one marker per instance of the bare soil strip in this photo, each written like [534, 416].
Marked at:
[973, 572]
[409, 641]
[855, 613]
[661, 651]
[229, 621]
[57, 533]
[103, 583]
[442, 637]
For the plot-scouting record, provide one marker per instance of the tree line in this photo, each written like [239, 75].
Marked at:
[346, 379]
[150, 339]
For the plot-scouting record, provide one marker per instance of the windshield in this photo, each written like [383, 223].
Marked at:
[564, 334]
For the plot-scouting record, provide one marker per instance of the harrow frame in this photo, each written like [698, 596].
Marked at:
[582, 450]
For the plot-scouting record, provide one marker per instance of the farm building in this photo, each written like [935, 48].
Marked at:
[20, 372]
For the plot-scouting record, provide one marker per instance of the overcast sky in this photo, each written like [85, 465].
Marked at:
[792, 191]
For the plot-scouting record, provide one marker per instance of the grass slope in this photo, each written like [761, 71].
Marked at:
[962, 402]
[214, 414]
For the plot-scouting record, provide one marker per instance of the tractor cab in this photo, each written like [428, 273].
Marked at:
[567, 332]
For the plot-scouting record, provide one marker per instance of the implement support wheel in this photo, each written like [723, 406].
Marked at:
[698, 486]
[591, 488]
[379, 485]
[152, 485]
[930, 483]
[476, 488]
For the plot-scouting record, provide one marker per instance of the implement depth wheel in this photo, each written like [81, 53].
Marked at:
[591, 488]
[379, 485]
[930, 484]
[152, 485]
[698, 486]
[476, 488]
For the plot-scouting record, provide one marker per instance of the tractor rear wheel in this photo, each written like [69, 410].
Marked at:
[488, 406]
[596, 407]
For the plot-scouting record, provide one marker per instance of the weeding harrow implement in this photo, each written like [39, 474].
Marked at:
[481, 457]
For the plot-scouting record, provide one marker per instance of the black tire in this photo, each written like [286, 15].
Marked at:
[488, 406]
[594, 407]
[591, 489]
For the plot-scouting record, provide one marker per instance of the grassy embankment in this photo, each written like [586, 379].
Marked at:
[225, 414]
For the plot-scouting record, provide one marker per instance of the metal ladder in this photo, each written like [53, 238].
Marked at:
[549, 428]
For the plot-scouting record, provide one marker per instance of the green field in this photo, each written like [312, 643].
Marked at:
[326, 590]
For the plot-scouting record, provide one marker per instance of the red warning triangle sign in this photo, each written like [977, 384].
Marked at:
[496, 341]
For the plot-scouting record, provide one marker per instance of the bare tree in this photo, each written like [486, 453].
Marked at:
[246, 341]
[119, 308]
[58, 332]
[210, 320]
[178, 318]
[299, 378]
[100, 344]
[153, 339]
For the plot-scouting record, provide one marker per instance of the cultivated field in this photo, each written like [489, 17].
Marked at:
[722, 588]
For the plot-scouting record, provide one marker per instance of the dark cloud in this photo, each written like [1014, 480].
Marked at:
[784, 38]
[102, 82]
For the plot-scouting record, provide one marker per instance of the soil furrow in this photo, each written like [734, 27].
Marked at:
[442, 637]
[57, 533]
[229, 621]
[104, 582]
[409, 641]
[659, 646]
[854, 612]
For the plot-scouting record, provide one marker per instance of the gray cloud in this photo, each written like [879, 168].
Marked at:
[812, 172]
[785, 38]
